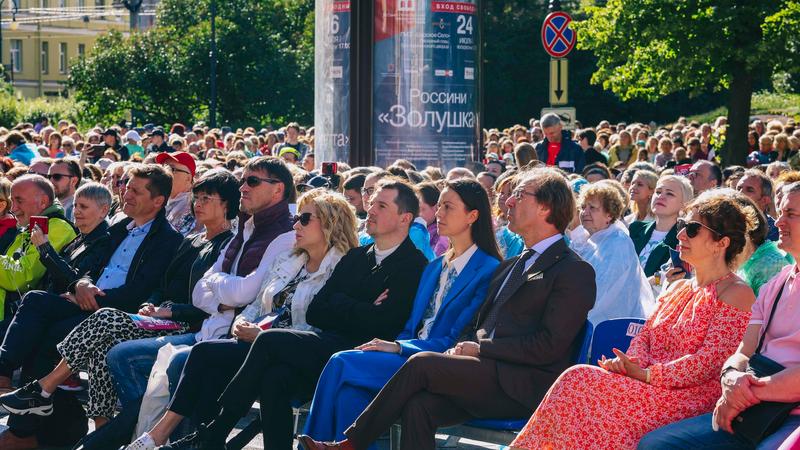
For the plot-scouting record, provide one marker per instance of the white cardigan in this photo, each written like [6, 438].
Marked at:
[282, 272]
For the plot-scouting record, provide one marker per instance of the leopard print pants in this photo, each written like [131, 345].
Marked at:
[86, 346]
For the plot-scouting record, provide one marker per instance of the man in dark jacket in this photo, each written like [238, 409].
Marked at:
[159, 142]
[369, 294]
[557, 149]
[44, 319]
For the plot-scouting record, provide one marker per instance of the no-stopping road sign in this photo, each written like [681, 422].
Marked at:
[558, 38]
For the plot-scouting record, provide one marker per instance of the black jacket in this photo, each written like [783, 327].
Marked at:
[147, 266]
[641, 232]
[84, 257]
[345, 305]
[192, 259]
[570, 157]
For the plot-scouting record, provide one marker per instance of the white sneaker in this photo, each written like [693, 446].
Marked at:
[143, 442]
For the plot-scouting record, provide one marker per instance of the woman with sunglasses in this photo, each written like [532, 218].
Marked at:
[324, 231]
[216, 201]
[450, 292]
[671, 369]
[602, 241]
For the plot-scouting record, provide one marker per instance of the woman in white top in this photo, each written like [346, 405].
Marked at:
[602, 240]
[325, 230]
[641, 191]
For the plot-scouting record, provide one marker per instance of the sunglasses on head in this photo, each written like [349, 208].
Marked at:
[304, 218]
[693, 227]
[254, 181]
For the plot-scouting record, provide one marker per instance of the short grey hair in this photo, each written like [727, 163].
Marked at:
[43, 184]
[550, 120]
[96, 192]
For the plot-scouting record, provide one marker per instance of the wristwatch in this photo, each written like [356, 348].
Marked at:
[725, 371]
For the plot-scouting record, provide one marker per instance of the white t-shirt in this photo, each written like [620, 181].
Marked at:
[656, 238]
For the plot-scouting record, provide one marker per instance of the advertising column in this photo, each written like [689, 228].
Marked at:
[425, 82]
[332, 80]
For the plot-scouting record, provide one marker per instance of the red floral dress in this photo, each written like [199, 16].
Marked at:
[684, 343]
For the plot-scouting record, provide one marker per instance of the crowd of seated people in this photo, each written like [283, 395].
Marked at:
[383, 295]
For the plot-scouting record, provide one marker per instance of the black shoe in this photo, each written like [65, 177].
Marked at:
[192, 442]
[28, 400]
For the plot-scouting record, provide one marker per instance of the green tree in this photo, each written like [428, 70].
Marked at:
[652, 48]
[264, 68]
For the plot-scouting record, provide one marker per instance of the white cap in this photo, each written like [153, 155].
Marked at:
[133, 135]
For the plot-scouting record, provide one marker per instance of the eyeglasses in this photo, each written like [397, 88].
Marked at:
[175, 169]
[58, 176]
[368, 191]
[254, 181]
[693, 227]
[518, 193]
[203, 199]
[304, 218]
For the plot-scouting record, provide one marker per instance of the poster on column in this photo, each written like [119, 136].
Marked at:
[332, 81]
[425, 82]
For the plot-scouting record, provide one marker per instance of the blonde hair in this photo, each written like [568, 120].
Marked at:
[336, 216]
[650, 179]
[686, 187]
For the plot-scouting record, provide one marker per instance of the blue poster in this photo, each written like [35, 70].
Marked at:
[425, 82]
[332, 81]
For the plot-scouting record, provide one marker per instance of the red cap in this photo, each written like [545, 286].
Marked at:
[180, 158]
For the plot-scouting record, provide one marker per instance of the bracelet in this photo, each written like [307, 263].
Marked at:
[647, 376]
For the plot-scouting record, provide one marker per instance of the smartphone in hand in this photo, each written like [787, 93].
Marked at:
[41, 221]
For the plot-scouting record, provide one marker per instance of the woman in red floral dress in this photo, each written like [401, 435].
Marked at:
[671, 370]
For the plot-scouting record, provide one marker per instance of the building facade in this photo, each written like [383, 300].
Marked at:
[42, 38]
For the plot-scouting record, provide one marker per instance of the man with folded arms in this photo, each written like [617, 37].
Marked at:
[529, 330]
[369, 294]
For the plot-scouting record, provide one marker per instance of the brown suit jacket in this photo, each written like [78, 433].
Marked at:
[537, 329]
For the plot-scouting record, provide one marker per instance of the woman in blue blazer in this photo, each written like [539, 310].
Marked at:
[452, 289]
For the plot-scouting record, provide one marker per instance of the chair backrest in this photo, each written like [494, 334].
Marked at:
[613, 333]
[583, 350]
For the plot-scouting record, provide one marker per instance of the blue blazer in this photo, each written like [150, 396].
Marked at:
[458, 308]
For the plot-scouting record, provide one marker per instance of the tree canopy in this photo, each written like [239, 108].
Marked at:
[264, 69]
[652, 48]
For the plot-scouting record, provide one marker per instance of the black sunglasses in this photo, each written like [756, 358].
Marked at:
[304, 218]
[692, 228]
[254, 181]
[58, 176]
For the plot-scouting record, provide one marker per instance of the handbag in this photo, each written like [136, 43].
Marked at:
[761, 420]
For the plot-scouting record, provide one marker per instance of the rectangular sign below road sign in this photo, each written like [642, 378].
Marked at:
[567, 115]
[558, 81]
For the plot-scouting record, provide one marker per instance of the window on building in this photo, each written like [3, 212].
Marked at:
[16, 55]
[45, 57]
[62, 4]
[81, 50]
[44, 3]
[62, 57]
[81, 3]
[100, 5]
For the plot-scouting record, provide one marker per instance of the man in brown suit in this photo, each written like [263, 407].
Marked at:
[529, 330]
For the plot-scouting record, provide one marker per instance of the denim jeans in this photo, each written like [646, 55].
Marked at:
[696, 433]
[130, 364]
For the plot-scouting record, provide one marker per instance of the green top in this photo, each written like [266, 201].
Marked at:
[764, 264]
[134, 149]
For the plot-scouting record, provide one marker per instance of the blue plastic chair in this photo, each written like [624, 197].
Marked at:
[517, 424]
[613, 333]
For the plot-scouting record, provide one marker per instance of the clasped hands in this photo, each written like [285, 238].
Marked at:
[623, 364]
[737, 396]
[85, 295]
